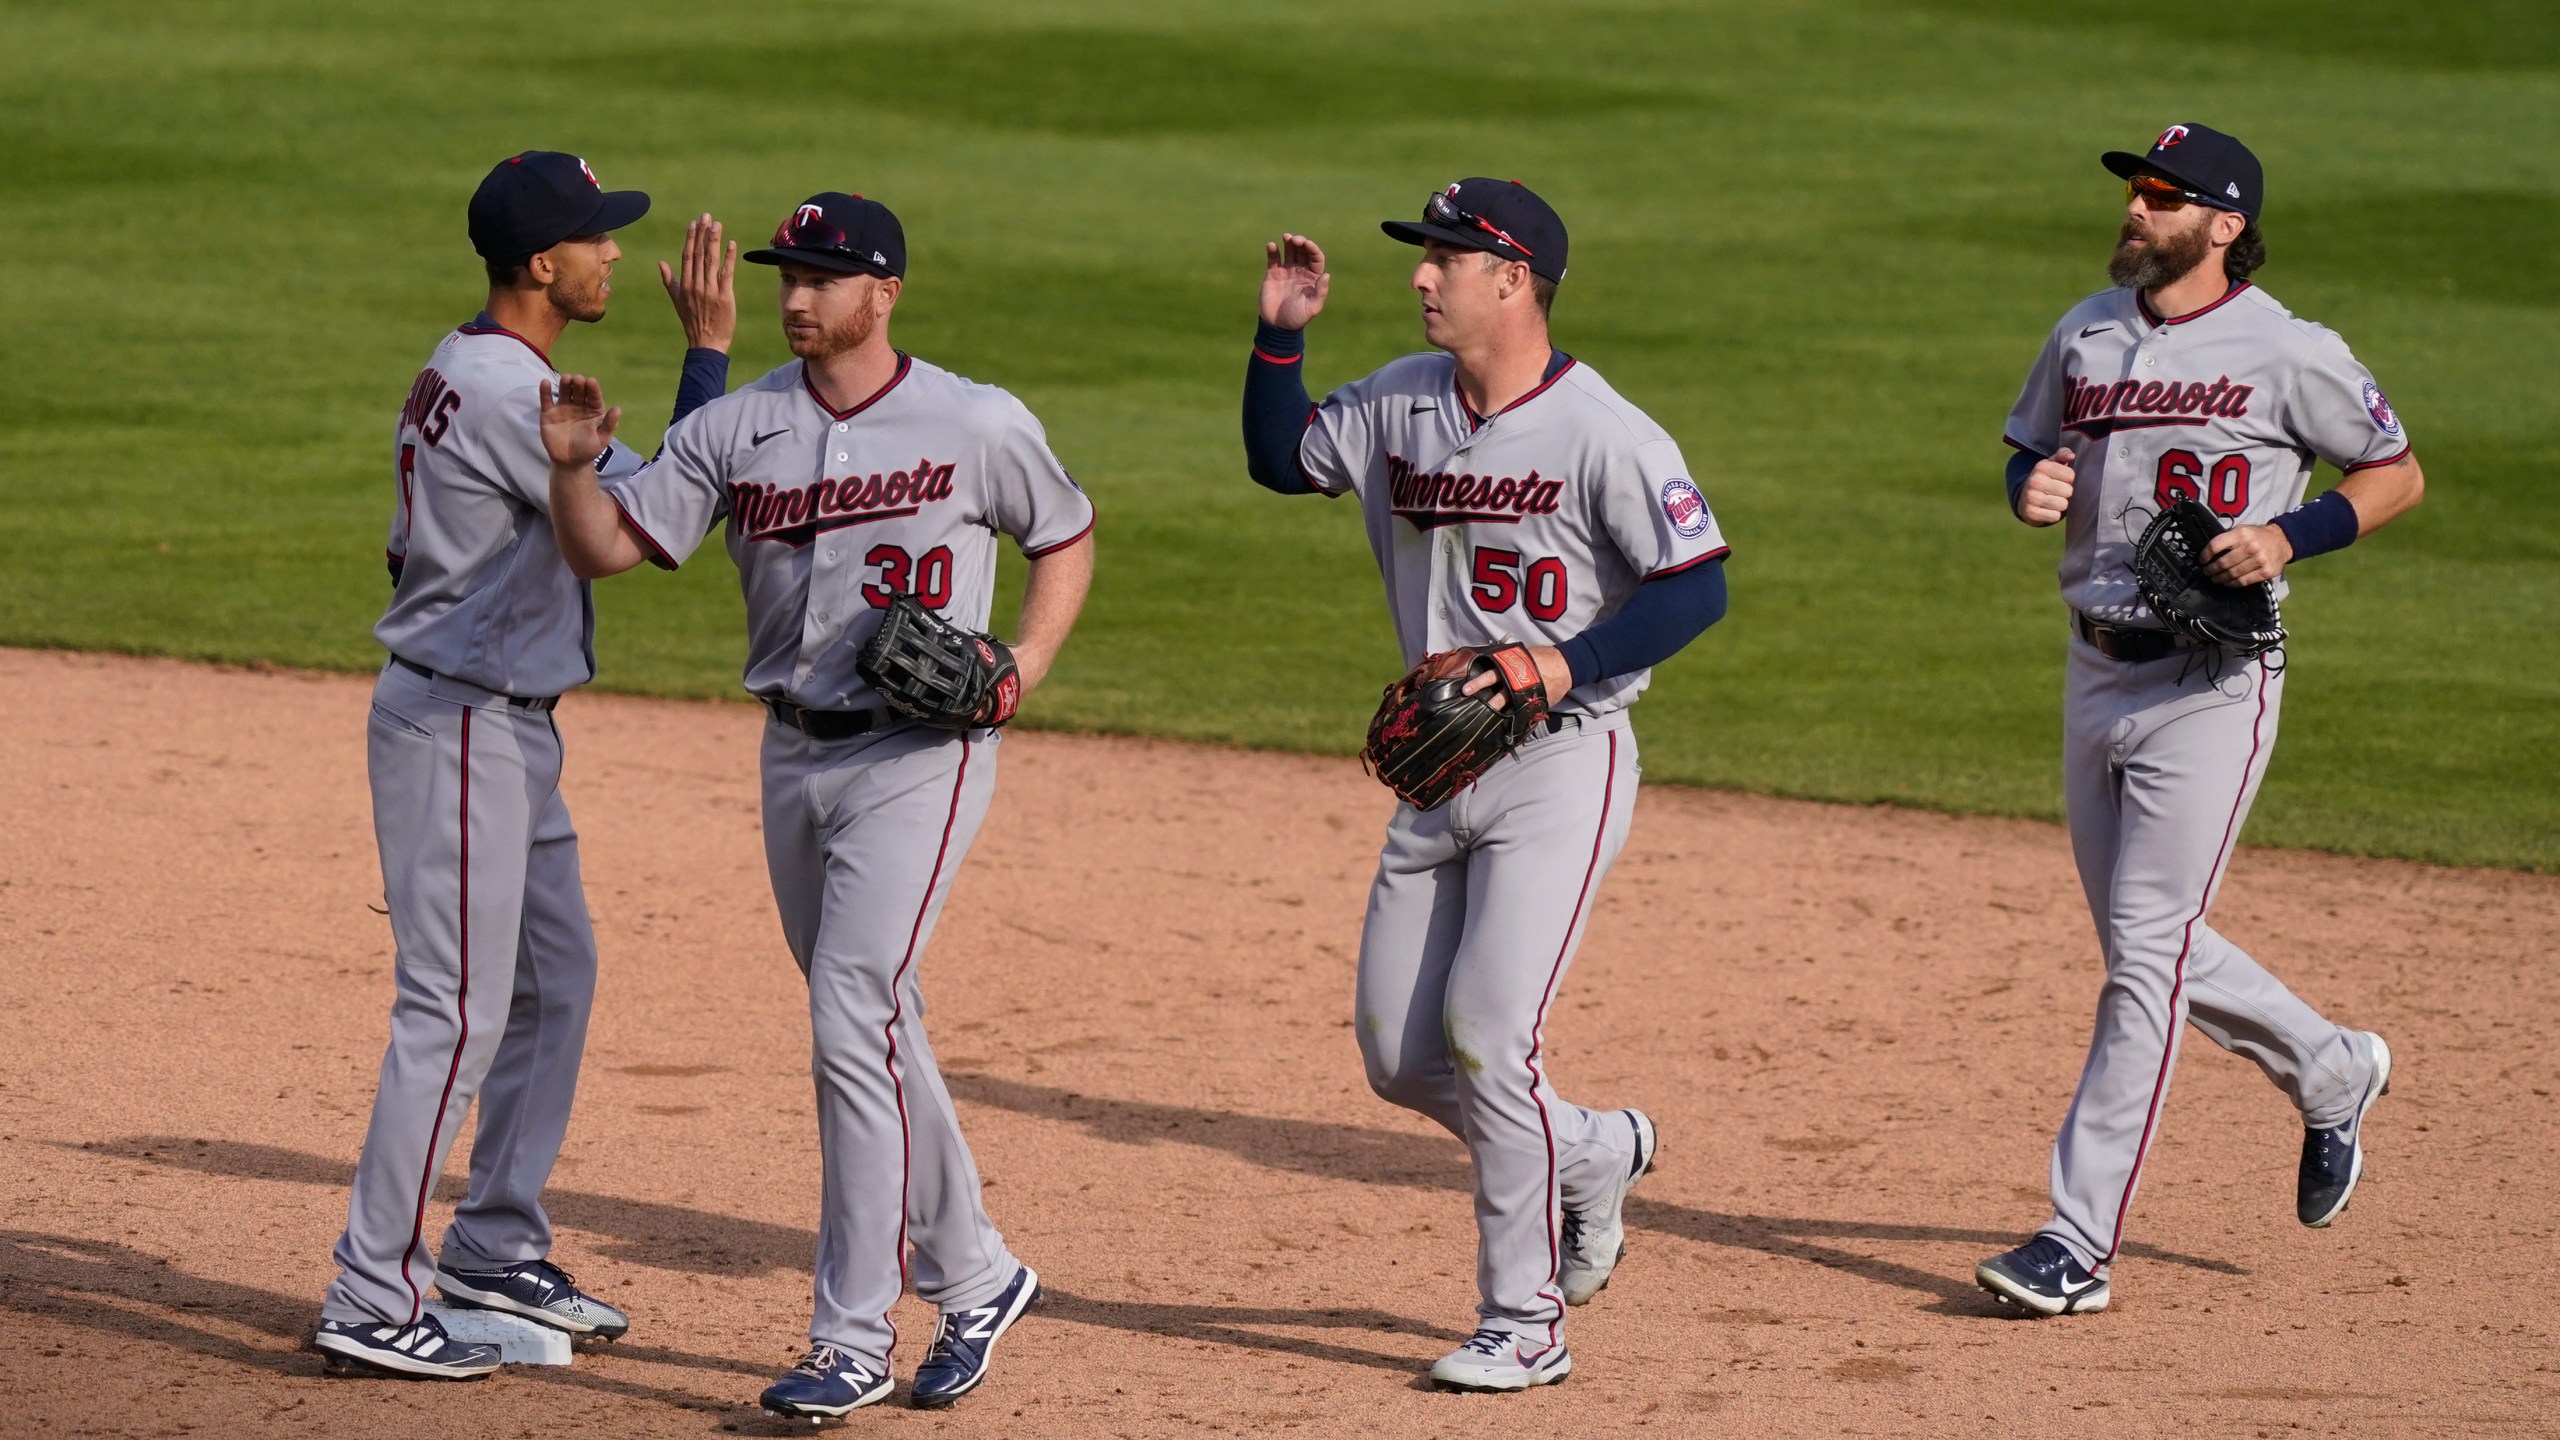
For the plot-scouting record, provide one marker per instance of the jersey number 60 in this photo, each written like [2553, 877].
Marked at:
[2183, 477]
[1498, 583]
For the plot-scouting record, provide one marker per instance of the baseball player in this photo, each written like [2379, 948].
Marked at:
[495, 959]
[2184, 380]
[1510, 496]
[850, 477]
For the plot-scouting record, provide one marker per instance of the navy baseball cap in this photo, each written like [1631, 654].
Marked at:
[533, 201]
[836, 231]
[1502, 217]
[2217, 169]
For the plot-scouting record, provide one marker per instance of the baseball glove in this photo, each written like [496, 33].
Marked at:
[931, 670]
[1431, 740]
[2168, 568]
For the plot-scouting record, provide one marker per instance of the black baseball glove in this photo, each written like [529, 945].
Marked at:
[1431, 740]
[2168, 568]
[931, 670]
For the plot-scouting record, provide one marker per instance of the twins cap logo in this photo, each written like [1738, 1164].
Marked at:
[2169, 137]
[2380, 409]
[805, 215]
[590, 174]
[1686, 508]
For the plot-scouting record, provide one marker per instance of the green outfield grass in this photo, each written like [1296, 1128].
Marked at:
[1819, 241]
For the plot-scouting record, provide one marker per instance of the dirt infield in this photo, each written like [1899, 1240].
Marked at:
[1857, 1028]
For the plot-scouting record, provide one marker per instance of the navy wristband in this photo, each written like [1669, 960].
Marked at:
[1274, 343]
[2326, 524]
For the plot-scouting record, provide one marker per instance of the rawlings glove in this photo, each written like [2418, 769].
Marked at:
[2168, 568]
[931, 670]
[1431, 740]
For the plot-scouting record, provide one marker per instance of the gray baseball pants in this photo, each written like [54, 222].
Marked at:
[2159, 770]
[863, 838]
[1474, 916]
[495, 970]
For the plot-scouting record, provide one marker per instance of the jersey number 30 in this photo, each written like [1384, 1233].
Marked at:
[926, 576]
[2224, 489]
[1498, 582]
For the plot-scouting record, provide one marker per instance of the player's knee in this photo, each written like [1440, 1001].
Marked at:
[1400, 1078]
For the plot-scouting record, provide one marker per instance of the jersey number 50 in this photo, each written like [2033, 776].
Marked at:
[1498, 582]
[2225, 490]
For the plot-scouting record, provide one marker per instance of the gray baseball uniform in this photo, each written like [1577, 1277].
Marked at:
[2161, 758]
[495, 959]
[832, 513]
[1529, 525]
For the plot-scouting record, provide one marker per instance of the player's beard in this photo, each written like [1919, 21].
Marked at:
[2143, 262]
[579, 300]
[847, 334]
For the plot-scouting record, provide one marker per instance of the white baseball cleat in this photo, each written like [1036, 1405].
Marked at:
[1493, 1360]
[1595, 1236]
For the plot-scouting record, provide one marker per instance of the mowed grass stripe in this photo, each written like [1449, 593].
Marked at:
[1818, 242]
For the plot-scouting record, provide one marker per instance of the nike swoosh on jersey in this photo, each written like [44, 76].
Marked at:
[1419, 407]
[2094, 329]
[769, 434]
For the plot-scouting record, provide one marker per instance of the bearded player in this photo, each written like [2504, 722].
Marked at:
[2185, 381]
[1511, 498]
[854, 478]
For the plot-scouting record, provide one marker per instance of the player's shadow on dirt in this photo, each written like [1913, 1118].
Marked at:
[680, 1238]
[667, 1237]
[129, 1295]
[1227, 1325]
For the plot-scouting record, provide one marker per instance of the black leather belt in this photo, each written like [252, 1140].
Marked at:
[521, 702]
[824, 724]
[2127, 643]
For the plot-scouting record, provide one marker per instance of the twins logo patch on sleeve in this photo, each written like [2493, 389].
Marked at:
[2380, 409]
[1686, 508]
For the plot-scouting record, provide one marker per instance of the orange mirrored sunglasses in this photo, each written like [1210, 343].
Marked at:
[2163, 194]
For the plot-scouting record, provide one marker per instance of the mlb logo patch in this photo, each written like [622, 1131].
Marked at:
[2380, 409]
[1685, 508]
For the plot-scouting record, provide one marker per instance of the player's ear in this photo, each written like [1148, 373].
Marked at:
[886, 299]
[2227, 225]
[541, 269]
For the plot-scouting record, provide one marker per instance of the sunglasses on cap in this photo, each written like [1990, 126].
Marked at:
[2161, 193]
[807, 229]
[1443, 211]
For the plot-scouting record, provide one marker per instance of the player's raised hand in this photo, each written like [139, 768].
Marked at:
[2247, 554]
[576, 425]
[2046, 496]
[1293, 282]
[704, 292]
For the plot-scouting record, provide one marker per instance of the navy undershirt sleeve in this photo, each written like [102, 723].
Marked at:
[1277, 410]
[705, 379]
[2022, 463]
[1663, 615]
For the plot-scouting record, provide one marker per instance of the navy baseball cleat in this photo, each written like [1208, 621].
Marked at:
[966, 1343]
[1493, 1361]
[2333, 1159]
[826, 1384]
[419, 1352]
[539, 1291]
[1595, 1236]
[2045, 1277]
